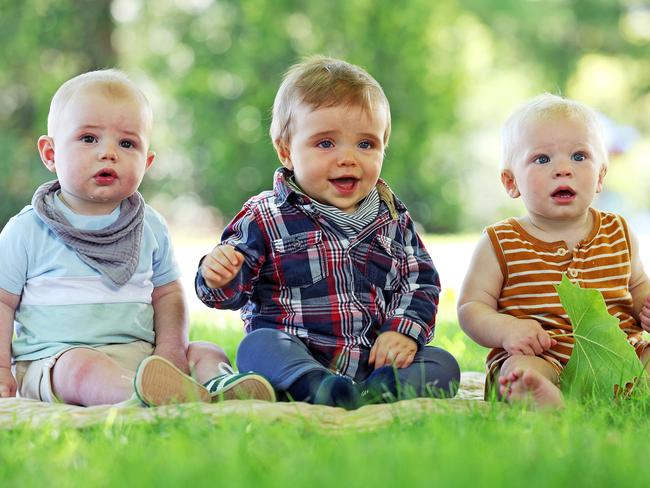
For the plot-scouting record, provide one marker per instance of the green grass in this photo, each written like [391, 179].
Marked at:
[500, 446]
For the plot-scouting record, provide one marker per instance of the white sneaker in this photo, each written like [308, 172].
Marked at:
[239, 386]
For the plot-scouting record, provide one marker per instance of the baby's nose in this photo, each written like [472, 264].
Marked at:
[563, 169]
[348, 158]
[108, 152]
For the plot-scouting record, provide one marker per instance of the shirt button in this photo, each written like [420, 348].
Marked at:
[562, 252]
[573, 273]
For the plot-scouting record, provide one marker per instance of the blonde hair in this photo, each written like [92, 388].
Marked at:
[548, 105]
[114, 82]
[320, 81]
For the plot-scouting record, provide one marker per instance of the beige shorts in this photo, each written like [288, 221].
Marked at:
[34, 378]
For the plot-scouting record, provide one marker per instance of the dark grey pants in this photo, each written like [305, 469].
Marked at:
[283, 358]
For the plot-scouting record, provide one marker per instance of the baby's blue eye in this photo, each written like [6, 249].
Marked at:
[579, 156]
[89, 139]
[127, 144]
[543, 159]
[365, 145]
[325, 144]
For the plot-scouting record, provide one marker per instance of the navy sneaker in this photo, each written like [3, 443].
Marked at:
[338, 391]
[380, 387]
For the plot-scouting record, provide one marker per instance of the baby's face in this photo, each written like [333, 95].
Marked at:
[336, 153]
[558, 168]
[100, 149]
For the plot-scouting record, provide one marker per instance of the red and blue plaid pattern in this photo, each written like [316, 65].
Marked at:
[303, 276]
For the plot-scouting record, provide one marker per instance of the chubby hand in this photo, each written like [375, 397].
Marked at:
[393, 348]
[221, 266]
[177, 356]
[644, 315]
[528, 338]
[7, 383]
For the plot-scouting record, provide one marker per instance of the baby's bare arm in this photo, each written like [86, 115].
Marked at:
[221, 266]
[639, 285]
[8, 304]
[171, 324]
[477, 308]
[477, 303]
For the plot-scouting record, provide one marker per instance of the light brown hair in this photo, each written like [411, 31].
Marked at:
[320, 81]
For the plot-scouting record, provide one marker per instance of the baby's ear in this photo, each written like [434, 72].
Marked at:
[601, 178]
[284, 153]
[46, 151]
[509, 183]
[150, 157]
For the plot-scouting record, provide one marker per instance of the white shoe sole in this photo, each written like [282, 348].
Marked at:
[159, 382]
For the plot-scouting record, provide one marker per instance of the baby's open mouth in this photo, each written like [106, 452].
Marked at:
[563, 193]
[345, 183]
[105, 177]
[106, 173]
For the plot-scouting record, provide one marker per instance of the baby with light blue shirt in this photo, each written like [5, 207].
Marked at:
[88, 278]
[61, 289]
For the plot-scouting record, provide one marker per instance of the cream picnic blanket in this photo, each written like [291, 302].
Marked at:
[21, 412]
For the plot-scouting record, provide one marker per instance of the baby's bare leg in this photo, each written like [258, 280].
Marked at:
[204, 359]
[530, 378]
[87, 377]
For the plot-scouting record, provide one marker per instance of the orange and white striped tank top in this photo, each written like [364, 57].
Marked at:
[532, 267]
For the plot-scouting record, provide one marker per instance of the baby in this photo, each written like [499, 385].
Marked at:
[555, 160]
[87, 271]
[337, 291]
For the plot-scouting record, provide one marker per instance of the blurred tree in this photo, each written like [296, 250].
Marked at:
[558, 33]
[43, 44]
[452, 70]
[220, 64]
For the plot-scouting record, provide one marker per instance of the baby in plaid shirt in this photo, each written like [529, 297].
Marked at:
[336, 289]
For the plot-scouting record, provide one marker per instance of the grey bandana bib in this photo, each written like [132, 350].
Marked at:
[113, 251]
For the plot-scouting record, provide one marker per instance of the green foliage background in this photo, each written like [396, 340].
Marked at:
[452, 69]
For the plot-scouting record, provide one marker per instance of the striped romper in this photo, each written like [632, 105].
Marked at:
[532, 267]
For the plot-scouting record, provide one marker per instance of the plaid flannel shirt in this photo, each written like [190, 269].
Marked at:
[303, 276]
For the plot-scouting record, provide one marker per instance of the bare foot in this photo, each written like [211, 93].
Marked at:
[530, 385]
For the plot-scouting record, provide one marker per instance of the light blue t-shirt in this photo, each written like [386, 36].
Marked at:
[64, 301]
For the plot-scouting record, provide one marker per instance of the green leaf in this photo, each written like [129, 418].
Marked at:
[602, 359]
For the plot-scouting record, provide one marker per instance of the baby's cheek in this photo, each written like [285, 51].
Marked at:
[132, 180]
